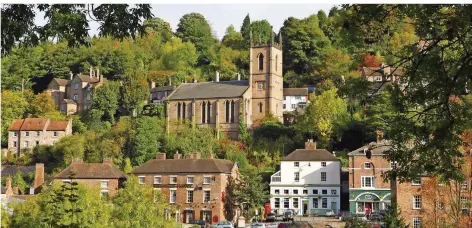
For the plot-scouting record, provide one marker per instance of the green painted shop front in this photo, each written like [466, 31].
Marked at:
[372, 200]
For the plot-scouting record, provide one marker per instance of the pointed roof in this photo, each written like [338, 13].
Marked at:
[310, 155]
[208, 90]
[91, 171]
[61, 82]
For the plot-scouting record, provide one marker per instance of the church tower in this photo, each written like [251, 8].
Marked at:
[265, 79]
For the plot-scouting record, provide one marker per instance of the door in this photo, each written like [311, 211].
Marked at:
[368, 207]
[188, 216]
[305, 207]
[334, 206]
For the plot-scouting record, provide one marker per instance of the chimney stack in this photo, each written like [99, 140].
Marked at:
[170, 81]
[380, 135]
[16, 191]
[212, 156]
[160, 156]
[310, 145]
[38, 177]
[77, 160]
[217, 76]
[196, 155]
[71, 75]
[9, 190]
[152, 84]
[108, 161]
[91, 72]
[98, 73]
[239, 76]
[177, 155]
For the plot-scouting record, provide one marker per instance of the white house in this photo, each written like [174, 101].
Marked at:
[295, 98]
[309, 182]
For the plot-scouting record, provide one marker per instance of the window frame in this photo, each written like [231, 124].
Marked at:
[101, 184]
[192, 178]
[171, 178]
[315, 203]
[295, 193]
[143, 178]
[286, 192]
[323, 164]
[189, 198]
[170, 196]
[296, 164]
[286, 203]
[205, 196]
[205, 178]
[55, 134]
[277, 202]
[324, 192]
[295, 201]
[324, 203]
[325, 176]
[416, 222]
[159, 178]
[296, 176]
[417, 202]
[314, 191]
[363, 181]
[277, 191]
[416, 181]
[367, 165]
[15, 134]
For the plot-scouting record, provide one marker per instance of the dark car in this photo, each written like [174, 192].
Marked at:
[284, 225]
[270, 217]
[288, 215]
[202, 223]
[377, 216]
[345, 215]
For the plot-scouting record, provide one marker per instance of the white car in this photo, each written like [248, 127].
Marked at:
[258, 225]
[224, 224]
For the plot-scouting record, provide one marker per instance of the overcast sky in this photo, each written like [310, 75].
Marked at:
[220, 16]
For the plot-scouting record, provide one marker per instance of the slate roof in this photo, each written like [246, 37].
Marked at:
[205, 90]
[162, 88]
[377, 148]
[13, 169]
[310, 155]
[185, 166]
[69, 101]
[91, 171]
[87, 78]
[28, 124]
[295, 91]
[58, 125]
[61, 82]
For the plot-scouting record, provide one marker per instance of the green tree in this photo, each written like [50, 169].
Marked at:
[246, 30]
[326, 115]
[393, 218]
[21, 66]
[250, 191]
[195, 28]
[161, 26]
[233, 39]
[139, 206]
[19, 182]
[43, 106]
[106, 100]
[157, 110]
[127, 168]
[145, 143]
[178, 56]
[69, 147]
[6, 218]
[261, 32]
[134, 92]
[13, 107]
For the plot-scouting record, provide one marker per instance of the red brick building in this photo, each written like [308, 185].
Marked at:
[194, 187]
[106, 175]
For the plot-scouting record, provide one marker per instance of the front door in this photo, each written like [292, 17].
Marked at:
[334, 206]
[305, 207]
[188, 216]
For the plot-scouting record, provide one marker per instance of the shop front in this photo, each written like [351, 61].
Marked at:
[367, 202]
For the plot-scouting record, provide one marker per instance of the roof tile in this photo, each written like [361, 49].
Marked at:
[185, 166]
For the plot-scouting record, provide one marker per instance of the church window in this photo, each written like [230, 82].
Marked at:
[260, 107]
[178, 110]
[209, 112]
[227, 111]
[261, 61]
[232, 111]
[184, 107]
[204, 112]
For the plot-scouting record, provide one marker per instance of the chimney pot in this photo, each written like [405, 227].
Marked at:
[196, 155]
[380, 135]
[239, 77]
[91, 72]
[71, 75]
[38, 177]
[161, 156]
[177, 155]
[310, 145]
[217, 76]
[98, 73]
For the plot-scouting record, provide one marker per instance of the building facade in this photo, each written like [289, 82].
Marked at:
[76, 94]
[159, 94]
[106, 175]
[295, 98]
[222, 104]
[368, 192]
[25, 134]
[308, 182]
[194, 187]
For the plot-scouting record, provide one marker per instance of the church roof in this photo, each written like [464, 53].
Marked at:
[207, 90]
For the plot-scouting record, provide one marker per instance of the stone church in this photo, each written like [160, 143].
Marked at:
[222, 104]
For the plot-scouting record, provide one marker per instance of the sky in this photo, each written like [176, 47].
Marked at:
[220, 16]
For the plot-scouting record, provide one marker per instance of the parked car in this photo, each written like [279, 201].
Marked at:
[345, 215]
[288, 215]
[376, 217]
[202, 223]
[258, 225]
[284, 225]
[330, 213]
[224, 224]
[270, 217]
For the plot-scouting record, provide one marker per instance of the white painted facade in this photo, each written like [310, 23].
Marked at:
[310, 193]
[291, 103]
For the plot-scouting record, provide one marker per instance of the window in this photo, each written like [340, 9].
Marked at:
[103, 193]
[315, 191]
[76, 86]
[295, 203]
[276, 191]
[26, 133]
[323, 164]
[294, 106]
[284, 106]
[277, 203]
[324, 192]
[286, 202]
[14, 144]
[323, 176]
[173, 196]
[378, 79]
[260, 85]
[305, 191]
[260, 107]
[173, 180]
[189, 196]
[232, 111]
[324, 202]
[296, 164]
[208, 112]
[297, 176]
[76, 97]
[367, 165]
[104, 184]
[15, 134]
[184, 109]
[206, 196]
[206, 180]
[333, 192]
[178, 110]
[88, 96]
[464, 204]
[367, 182]
[416, 181]
[286, 191]
[298, 97]
[141, 179]
[441, 205]
[55, 134]
[295, 191]
[38, 133]
[37, 143]
[416, 222]
[26, 143]
[260, 57]
[464, 185]
[190, 180]
[315, 202]
[203, 112]
[228, 103]
[416, 202]
[285, 98]
[157, 179]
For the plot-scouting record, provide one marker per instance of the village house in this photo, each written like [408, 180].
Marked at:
[194, 187]
[76, 94]
[25, 134]
[159, 94]
[368, 192]
[308, 182]
[295, 98]
[108, 177]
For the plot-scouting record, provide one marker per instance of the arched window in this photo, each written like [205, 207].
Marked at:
[276, 62]
[232, 111]
[227, 111]
[203, 112]
[178, 110]
[260, 107]
[209, 112]
[184, 107]
[261, 61]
